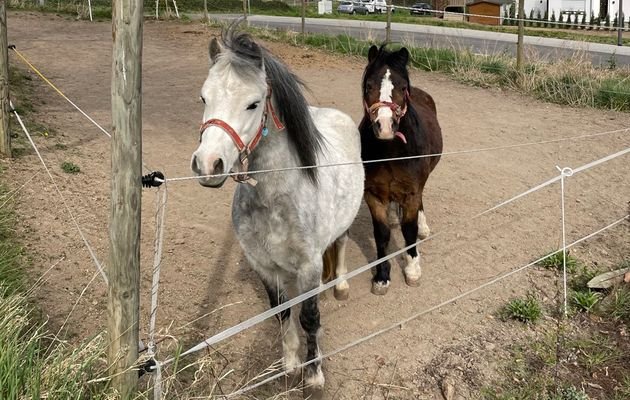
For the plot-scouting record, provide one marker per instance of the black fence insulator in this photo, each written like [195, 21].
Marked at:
[154, 179]
[147, 368]
[11, 47]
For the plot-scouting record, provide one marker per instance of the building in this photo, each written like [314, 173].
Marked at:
[494, 9]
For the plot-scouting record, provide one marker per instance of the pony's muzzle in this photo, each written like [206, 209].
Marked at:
[205, 168]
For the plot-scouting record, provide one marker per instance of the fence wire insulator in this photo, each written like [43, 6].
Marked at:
[11, 47]
[154, 179]
[147, 367]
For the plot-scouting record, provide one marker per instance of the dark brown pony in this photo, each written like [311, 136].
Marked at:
[399, 121]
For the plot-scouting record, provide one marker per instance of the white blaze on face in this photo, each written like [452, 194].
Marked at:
[385, 114]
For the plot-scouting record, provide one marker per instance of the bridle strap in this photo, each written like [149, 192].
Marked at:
[245, 150]
[398, 111]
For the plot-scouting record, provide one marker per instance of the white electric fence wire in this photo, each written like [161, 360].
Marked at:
[313, 292]
[446, 153]
[160, 205]
[56, 89]
[564, 172]
[98, 265]
[426, 311]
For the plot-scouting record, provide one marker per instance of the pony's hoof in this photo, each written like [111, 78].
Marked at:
[342, 294]
[380, 288]
[314, 385]
[313, 393]
[412, 281]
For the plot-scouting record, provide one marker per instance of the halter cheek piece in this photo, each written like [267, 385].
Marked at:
[398, 111]
[245, 150]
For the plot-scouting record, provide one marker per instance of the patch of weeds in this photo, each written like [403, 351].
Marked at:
[556, 261]
[70, 167]
[596, 351]
[526, 310]
[580, 279]
[585, 300]
[60, 146]
[619, 306]
[614, 94]
[569, 393]
[494, 66]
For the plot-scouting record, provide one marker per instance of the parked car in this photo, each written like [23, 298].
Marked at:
[420, 9]
[348, 7]
[376, 6]
[361, 9]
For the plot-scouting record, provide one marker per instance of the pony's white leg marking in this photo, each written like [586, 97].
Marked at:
[423, 228]
[412, 270]
[290, 344]
[342, 289]
[380, 288]
[393, 214]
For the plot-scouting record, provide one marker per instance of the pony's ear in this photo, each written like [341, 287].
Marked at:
[372, 53]
[214, 49]
[403, 55]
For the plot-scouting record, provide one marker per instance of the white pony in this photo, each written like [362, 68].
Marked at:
[292, 225]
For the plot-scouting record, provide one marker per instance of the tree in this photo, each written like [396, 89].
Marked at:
[553, 19]
[531, 17]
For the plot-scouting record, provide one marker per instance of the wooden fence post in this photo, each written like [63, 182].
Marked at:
[5, 134]
[521, 32]
[124, 228]
[388, 26]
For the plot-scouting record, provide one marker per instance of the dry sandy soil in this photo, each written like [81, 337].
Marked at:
[205, 277]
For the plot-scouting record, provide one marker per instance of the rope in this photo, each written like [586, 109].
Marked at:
[160, 205]
[426, 311]
[56, 89]
[564, 172]
[63, 199]
[446, 153]
[313, 292]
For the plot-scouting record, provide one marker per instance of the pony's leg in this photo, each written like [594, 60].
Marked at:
[342, 289]
[309, 278]
[423, 228]
[409, 228]
[382, 233]
[290, 338]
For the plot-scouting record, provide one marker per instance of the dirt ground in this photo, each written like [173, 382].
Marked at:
[206, 283]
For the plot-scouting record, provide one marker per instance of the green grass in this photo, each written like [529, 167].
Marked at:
[556, 261]
[70, 168]
[526, 310]
[585, 300]
[619, 307]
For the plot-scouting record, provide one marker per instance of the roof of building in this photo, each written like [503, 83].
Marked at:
[497, 2]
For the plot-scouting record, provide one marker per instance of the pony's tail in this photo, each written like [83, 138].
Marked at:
[330, 262]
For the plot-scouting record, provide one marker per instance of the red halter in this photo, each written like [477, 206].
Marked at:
[245, 150]
[398, 111]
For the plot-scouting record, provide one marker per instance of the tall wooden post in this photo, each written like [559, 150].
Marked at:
[303, 18]
[5, 134]
[521, 32]
[620, 18]
[245, 10]
[388, 26]
[205, 11]
[124, 228]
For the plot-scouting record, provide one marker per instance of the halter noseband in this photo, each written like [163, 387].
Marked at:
[397, 110]
[245, 150]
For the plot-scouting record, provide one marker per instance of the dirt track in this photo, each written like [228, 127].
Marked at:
[204, 268]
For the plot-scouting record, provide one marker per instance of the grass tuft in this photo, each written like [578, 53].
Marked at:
[556, 261]
[526, 310]
[585, 300]
[70, 167]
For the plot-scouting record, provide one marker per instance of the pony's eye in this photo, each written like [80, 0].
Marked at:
[253, 105]
[202, 99]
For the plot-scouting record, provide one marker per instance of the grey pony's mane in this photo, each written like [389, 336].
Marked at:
[247, 58]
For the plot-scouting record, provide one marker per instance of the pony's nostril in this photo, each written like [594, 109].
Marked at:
[194, 165]
[218, 166]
